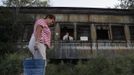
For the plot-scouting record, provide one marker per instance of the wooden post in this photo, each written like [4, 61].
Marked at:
[57, 30]
[93, 38]
[75, 31]
[127, 34]
[93, 33]
[110, 32]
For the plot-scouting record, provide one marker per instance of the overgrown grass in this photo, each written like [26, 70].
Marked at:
[11, 64]
[98, 66]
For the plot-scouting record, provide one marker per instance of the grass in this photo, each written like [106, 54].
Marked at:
[11, 64]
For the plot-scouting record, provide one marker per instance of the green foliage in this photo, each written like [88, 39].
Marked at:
[23, 3]
[98, 66]
[6, 15]
[6, 48]
[13, 30]
[81, 69]
[11, 64]
[9, 28]
[126, 4]
[59, 69]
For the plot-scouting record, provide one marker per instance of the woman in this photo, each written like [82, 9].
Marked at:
[41, 37]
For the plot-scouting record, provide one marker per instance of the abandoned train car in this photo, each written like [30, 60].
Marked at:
[95, 31]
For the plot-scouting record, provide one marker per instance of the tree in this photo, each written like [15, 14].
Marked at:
[23, 3]
[16, 17]
[126, 4]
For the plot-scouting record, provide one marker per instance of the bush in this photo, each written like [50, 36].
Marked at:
[11, 64]
[98, 66]
[6, 48]
[59, 69]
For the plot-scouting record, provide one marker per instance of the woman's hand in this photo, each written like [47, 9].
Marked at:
[36, 47]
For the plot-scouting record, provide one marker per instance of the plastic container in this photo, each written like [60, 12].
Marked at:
[34, 67]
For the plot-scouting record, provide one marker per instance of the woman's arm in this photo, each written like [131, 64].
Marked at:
[38, 33]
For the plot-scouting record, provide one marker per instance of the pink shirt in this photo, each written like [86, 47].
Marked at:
[46, 33]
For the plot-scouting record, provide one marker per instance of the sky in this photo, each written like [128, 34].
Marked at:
[0, 2]
[82, 3]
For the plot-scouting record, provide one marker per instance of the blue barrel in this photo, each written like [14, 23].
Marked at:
[34, 67]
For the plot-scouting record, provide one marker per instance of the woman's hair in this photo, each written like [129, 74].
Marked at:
[50, 16]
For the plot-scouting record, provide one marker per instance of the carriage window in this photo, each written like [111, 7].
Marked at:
[131, 28]
[102, 32]
[118, 33]
[67, 31]
[83, 32]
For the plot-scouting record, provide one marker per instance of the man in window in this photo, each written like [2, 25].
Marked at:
[67, 37]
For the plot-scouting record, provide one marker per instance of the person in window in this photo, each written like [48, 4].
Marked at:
[67, 37]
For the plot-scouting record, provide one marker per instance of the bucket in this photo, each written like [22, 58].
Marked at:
[34, 67]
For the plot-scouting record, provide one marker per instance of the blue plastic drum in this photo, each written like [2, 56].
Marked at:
[34, 67]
